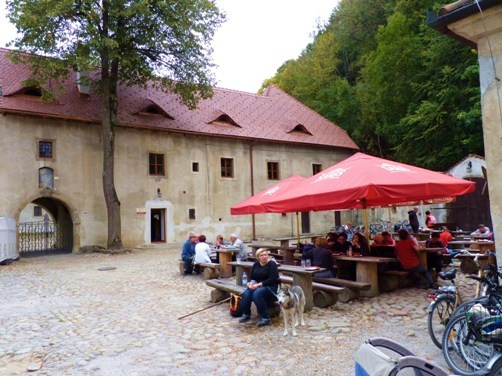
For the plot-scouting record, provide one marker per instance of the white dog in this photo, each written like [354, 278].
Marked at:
[292, 303]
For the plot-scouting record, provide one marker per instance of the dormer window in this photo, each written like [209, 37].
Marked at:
[31, 91]
[224, 119]
[300, 128]
[154, 110]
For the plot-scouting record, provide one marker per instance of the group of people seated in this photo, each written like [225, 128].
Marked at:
[384, 245]
[265, 277]
[196, 250]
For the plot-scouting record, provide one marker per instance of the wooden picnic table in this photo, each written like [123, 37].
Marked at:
[421, 235]
[302, 278]
[460, 232]
[482, 245]
[240, 268]
[367, 271]
[285, 240]
[422, 254]
[287, 252]
[225, 257]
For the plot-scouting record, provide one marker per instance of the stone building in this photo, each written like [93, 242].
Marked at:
[479, 24]
[176, 170]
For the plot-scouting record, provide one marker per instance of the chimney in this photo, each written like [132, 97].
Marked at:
[83, 82]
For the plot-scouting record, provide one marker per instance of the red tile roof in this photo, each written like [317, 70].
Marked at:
[269, 117]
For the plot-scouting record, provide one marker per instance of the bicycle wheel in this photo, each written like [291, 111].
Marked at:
[464, 354]
[439, 317]
[496, 369]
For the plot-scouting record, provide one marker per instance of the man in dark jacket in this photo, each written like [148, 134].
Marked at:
[188, 253]
[413, 219]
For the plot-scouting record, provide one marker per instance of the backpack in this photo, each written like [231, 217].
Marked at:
[235, 306]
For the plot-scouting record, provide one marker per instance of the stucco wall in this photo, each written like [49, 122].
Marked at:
[77, 165]
[485, 29]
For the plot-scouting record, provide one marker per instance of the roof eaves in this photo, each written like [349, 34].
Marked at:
[441, 22]
[37, 114]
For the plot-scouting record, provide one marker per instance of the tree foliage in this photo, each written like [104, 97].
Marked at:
[401, 90]
[162, 42]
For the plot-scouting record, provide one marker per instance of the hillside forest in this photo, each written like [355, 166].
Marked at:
[402, 90]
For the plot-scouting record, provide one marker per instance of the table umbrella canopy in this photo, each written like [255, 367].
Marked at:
[364, 181]
[254, 204]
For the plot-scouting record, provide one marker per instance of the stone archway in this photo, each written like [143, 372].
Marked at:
[48, 229]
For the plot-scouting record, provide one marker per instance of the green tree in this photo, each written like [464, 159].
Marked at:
[163, 42]
[401, 90]
[386, 86]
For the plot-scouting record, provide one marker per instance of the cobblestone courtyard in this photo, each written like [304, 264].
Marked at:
[61, 315]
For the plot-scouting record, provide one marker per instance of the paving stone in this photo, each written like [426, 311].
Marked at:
[83, 321]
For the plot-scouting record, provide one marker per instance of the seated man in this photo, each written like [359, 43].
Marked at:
[341, 244]
[188, 253]
[387, 239]
[383, 245]
[434, 260]
[237, 243]
[406, 253]
[482, 232]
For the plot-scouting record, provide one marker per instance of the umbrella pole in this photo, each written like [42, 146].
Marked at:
[297, 229]
[365, 219]
[422, 213]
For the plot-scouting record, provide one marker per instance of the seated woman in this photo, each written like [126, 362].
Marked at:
[434, 260]
[320, 256]
[406, 253]
[360, 244]
[202, 253]
[261, 288]
[219, 241]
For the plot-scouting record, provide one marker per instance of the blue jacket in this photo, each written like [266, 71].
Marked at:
[188, 250]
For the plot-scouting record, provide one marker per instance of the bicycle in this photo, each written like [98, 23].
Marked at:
[471, 345]
[447, 299]
[465, 352]
[402, 225]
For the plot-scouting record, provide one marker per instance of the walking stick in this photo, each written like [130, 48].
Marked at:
[203, 309]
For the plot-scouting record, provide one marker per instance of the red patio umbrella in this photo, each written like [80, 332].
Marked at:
[363, 181]
[254, 204]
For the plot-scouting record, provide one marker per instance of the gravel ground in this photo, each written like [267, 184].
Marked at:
[61, 315]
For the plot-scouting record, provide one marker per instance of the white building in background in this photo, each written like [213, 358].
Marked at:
[468, 168]
[33, 213]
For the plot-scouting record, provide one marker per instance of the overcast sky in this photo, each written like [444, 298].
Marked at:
[258, 36]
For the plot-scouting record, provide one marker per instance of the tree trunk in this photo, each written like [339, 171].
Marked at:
[112, 202]
[109, 81]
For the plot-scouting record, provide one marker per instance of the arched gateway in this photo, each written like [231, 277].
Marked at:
[45, 227]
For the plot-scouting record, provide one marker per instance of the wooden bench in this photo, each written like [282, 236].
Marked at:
[224, 287]
[353, 287]
[393, 279]
[324, 295]
[209, 270]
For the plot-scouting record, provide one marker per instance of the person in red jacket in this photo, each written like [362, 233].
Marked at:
[406, 253]
[445, 236]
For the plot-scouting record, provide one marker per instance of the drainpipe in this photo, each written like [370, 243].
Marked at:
[252, 183]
